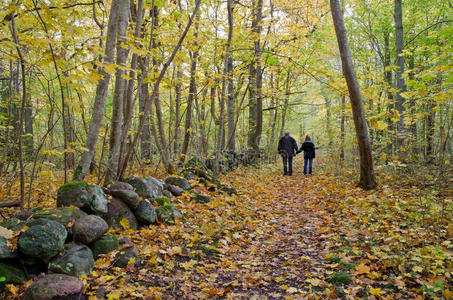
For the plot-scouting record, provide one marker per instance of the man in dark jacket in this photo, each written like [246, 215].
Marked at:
[309, 153]
[287, 148]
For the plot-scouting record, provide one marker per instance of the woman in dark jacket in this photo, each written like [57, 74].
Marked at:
[309, 153]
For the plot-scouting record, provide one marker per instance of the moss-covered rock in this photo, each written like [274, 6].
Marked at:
[127, 255]
[179, 182]
[130, 198]
[104, 245]
[44, 239]
[199, 198]
[13, 224]
[145, 213]
[64, 215]
[99, 203]
[168, 214]
[10, 273]
[74, 194]
[6, 252]
[119, 211]
[75, 260]
[147, 188]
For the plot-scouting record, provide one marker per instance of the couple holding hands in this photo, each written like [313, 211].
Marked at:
[287, 148]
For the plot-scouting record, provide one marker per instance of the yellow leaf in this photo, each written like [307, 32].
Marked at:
[279, 279]
[13, 289]
[188, 265]
[361, 269]
[131, 261]
[375, 292]
[417, 269]
[125, 223]
[176, 250]
[292, 290]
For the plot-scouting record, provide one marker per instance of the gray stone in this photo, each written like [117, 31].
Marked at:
[145, 213]
[104, 245]
[179, 182]
[74, 194]
[23, 215]
[175, 190]
[168, 214]
[199, 198]
[117, 211]
[12, 274]
[6, 252]
[144, 188]
[55, 287]
[130, 198]
[126, 255]
[121, 186]
[63, 215]
[75, 260]
[98, 204]
[13, 224]
[44, 239]
[88, 229]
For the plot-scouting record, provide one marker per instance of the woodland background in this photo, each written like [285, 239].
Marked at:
[79, 92]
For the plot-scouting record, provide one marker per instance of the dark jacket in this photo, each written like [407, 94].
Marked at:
[309, 149]
[287, 146]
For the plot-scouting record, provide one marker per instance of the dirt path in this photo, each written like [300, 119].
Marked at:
[279, 249]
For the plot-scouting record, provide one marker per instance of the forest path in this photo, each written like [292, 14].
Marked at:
[281, 247]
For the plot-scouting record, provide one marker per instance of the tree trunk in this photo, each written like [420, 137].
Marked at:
[191, 96]
[111, 172]
[400, 83]
[367, 179]
[255, 83]
[177, 110]
[342, 131]
[231, 142]
[118, 6]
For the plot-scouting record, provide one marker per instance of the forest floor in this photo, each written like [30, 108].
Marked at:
[291, 237]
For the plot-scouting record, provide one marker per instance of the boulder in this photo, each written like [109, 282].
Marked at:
[145, 213]
[74, 194]
[6, 252]
[179, 182]
[121, 186]
[55, 287]
[11, 273]
[168, 214]
[89, 228]
[175, 190]
[104, 245]
[66, 216]
[189, 175]
[75, 260]
[166, 193]
[118, 211]
[43, 239]
[99, 203]
[229, 190]
[23, 215]
[199, 198]
[130, 198]
[147, 188]
[13, 224]
[126, 255]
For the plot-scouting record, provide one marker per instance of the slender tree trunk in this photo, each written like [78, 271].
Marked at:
[400, 83]
[191, 96]
[367, 179]
[388, 80]
[177, 110]
[118, 6]
[342, 131]
[28, 139]
[111, 172]
[255, 83]
[229, 75]
[21, 115]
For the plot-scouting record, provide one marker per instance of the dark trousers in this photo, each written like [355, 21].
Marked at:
[308, 161]
[288, 161]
